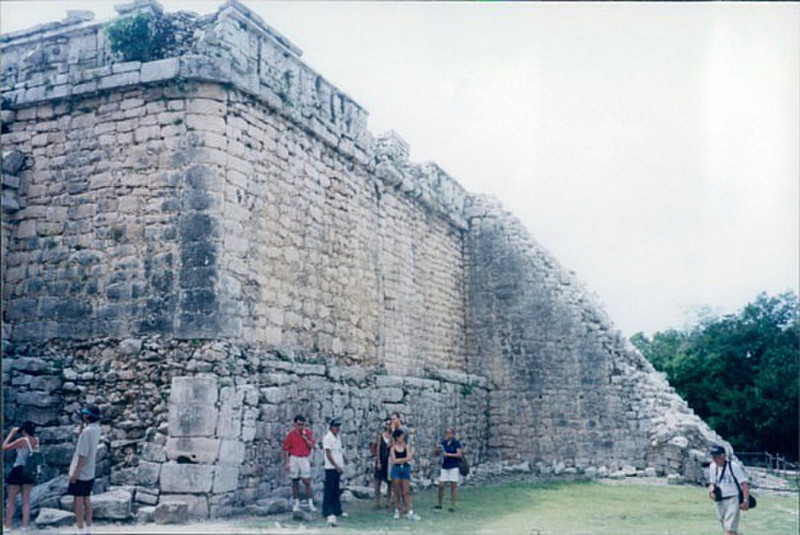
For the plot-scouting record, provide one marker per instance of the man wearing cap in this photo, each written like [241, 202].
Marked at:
[82, 468]
[334, 466]
[723, 475]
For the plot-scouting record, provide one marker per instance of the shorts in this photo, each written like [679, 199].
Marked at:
[82, 487]
[451, 475]
[299, 467]
[17, 477]
[401, 471]
[728, 513]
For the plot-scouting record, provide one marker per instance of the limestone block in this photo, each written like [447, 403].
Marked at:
[156, 71]
[231, 453]
[49, 517]
[37, 399]
[389, 381]
[112, 505]
[199, 390]
[192, 420]
[197, 505]
[31, 365]
[143, 496]
[194, 449]
[130, 346]
[13, 160]
[171, 513]
[154, 452]
[145, 514]
[186, 478]
[226, 479]
[118, 80]
[147, 474]
[45, 383]
[393, 395]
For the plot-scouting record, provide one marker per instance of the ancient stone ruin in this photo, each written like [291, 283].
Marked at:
[206, 243]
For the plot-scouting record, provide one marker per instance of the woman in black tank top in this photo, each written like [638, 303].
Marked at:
[402, 457]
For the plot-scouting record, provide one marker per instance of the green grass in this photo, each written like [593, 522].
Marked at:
[558, 508]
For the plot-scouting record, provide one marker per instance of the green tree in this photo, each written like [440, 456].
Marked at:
[739, 372]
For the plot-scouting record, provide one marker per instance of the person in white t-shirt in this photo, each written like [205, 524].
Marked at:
[82, 468]
[334, 467]
[723, 474]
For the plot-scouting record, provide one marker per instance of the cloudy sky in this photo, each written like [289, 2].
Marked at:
[653, 148]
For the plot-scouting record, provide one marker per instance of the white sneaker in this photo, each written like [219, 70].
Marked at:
[311, 506]
[296, 506]
[397, 514]
[344, 515]
[332, 520]
[412, 516]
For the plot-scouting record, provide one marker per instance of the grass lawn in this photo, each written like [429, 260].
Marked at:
[571, 508]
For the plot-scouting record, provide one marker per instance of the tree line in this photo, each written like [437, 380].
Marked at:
[739, 372]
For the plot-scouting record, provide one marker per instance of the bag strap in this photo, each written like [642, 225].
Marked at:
[733, 474]
[28, 442]
[719, 479]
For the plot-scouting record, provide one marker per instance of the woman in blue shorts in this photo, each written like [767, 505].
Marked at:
[402, 457]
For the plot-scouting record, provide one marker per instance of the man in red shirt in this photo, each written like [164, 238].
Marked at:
[297, 446]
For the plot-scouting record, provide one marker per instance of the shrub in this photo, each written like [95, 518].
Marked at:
[141, 37]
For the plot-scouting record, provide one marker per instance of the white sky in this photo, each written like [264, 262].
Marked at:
[653, 148]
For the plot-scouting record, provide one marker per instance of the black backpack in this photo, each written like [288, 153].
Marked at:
[34, 464]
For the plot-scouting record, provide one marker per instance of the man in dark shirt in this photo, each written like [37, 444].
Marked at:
[450, 450]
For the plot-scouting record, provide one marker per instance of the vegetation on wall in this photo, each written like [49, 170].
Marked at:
[739, 372]
[141, 37]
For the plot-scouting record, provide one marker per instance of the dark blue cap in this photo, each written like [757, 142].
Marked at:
[716, 450]
[91, 411]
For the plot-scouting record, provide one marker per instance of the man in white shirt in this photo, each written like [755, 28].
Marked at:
[723, 476]
[334, 466]
[82, 468]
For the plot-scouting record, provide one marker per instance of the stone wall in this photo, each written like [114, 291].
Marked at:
[203, 422]
[209, 243]
[555, 361]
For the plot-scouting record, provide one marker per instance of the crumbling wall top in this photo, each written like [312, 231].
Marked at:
[234, 47]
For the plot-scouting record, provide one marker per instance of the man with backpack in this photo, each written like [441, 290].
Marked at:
[82, 469]
[729, 488]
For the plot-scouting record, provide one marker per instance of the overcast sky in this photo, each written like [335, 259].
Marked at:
[653, 148]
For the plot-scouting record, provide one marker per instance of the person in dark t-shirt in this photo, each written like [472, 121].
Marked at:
[450, 450]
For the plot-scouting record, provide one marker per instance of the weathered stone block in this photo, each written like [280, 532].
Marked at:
[113, 505]
[192, 420]
[193, 449]
[156, 71]
[393, 395]
[32, 365]
[231, 453]
[186, 478]
[171, 513]
[37, 399]
[154, 452]
[53, 518]
[130, 346]
[226, 479]
[201, 390]
[145, 514]
[197, 505]
[148, 473]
